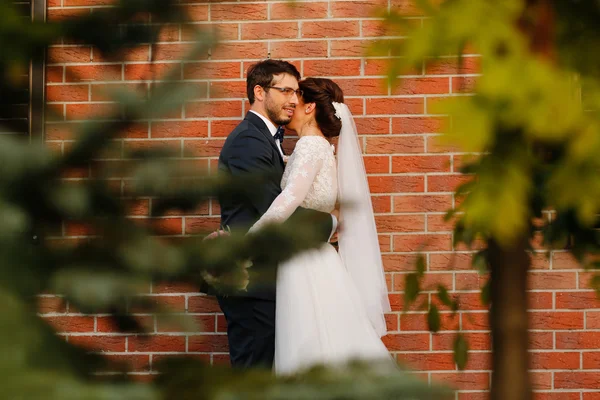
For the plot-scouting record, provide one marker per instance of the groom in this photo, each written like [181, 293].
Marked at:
[254, 147]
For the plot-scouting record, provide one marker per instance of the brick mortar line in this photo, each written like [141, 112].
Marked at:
[208, 99]
[271, 40]
[243, 60]
[316, 59]
[397, 352]
[148, 335]
[401, 313]
[214, 139]
[95, 82]
[324, 58]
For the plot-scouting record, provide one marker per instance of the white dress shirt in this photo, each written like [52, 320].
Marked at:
[273, 129]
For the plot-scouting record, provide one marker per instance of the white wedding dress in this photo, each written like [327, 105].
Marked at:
[320, 318]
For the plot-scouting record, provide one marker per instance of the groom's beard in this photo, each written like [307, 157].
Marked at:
[276, 113]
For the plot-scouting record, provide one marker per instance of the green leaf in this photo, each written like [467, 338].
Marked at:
[426, 6]
[468, 236]
[411, 289]
[94, 289]
[433, 319]
[443, 295]
[480, 262]
[420, 265]
[187, 378]
[461, 351]
[14, 220]
[449, 214]
[592, 265]
[73, 200]
[595, 284]
[486, 293]
[459, 233]
[455, 306]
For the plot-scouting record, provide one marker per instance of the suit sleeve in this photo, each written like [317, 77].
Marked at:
[251, 155]
[321, 220]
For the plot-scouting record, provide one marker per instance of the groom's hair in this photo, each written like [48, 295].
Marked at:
[262, 74]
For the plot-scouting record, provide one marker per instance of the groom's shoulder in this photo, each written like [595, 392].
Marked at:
[245, 129]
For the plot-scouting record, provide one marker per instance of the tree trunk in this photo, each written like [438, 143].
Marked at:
[509, 322]
[510, 267]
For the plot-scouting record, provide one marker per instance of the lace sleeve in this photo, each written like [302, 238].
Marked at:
[307, 162]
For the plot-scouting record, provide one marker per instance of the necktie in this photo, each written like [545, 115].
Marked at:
[279, 134]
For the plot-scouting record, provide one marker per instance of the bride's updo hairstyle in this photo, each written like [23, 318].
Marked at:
[323, 92]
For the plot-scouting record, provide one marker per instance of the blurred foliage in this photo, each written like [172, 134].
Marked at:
[110, 270]
[533, 144]
[355, 381]
[528, 124]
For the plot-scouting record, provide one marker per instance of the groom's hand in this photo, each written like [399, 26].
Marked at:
[216, 234]
[334, 238]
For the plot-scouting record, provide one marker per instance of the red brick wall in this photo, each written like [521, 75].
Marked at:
[411, 179]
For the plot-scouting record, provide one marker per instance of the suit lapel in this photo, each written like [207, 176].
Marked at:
[262, 128]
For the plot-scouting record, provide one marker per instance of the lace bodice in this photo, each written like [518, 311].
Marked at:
[309, 181]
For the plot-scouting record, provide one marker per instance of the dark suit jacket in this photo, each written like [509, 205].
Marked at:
[249, 150]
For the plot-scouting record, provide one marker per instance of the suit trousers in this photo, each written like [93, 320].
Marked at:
[250, 331]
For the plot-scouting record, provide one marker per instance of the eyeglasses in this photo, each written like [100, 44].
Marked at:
[287, 91]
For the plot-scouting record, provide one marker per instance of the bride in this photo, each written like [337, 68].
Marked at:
[330, 306]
